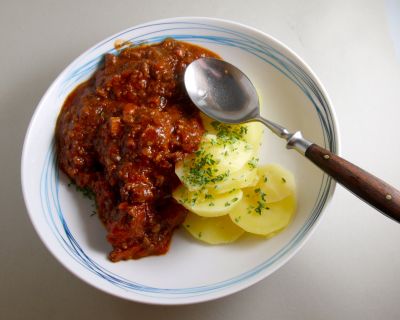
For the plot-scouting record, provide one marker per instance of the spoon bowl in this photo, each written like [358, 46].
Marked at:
[221, 91]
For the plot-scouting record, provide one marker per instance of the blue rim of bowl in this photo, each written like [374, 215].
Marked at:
[49, 182]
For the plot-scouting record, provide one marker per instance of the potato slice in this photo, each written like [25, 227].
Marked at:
[276, 182]
[217, 230]
[251, 132]
[206, 204]
[254, 134]
[213, 162]
[256, 216]
[246, 177]
[207, 123]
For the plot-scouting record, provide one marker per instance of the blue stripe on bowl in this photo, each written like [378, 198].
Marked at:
[49, 184]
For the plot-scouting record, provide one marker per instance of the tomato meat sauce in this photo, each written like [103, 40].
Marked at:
[119, 135]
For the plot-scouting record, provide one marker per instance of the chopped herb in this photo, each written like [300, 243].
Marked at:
[249, 209]
[263, 196]
[235, 199]
[257, 190]
[253, 163]
[260, 206]
[200, 234]
[200, 173]
[237, 219]
[86, 192]
[265, 179]
[93, 213]
[227, 204]
[208, 196]
[283, 180]
[188, 226]
[193, 201]
[211, 204]
[247, 147]
[229, 134]
[215, 124]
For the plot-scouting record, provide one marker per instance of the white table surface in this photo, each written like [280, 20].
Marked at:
[350, 267]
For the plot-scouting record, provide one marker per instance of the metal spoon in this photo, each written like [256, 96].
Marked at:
[226, 94]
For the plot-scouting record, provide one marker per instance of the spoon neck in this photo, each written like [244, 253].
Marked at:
[280, 131]
[294, 140]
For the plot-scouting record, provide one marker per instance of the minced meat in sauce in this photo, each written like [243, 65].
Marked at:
[119, 135]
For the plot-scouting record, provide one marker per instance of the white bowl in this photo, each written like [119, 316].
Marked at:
[191, 271]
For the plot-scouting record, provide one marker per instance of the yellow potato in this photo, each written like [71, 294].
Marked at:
[251, 132]
[225, 191]
[207, 204]
[207, 123]
[276, 182]
[256, 216]
[213, 162]
[245, 177]
[254, 134]
[217, 230]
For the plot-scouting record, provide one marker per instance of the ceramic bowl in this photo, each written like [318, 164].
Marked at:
[191, 271]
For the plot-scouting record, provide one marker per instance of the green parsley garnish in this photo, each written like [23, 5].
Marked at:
[200, 173]
[229, 134]
[86, 192]
[253, 163]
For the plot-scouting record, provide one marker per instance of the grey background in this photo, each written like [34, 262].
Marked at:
[350, 267]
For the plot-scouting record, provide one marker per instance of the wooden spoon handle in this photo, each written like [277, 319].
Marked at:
[371, 189]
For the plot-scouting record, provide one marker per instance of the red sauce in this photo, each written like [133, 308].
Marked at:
[120, 134]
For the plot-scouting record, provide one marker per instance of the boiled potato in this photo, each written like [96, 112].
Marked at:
[207, 204]
[217, 230]
[256, 216]
[206, 120]
[250, 132]
[254, 134]
[245, 177]
[276, 182]
[213, 162]
[224, 190]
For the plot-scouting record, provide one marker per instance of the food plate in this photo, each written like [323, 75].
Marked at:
[191, 271]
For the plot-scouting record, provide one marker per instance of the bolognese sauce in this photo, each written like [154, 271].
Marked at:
[119, 135]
